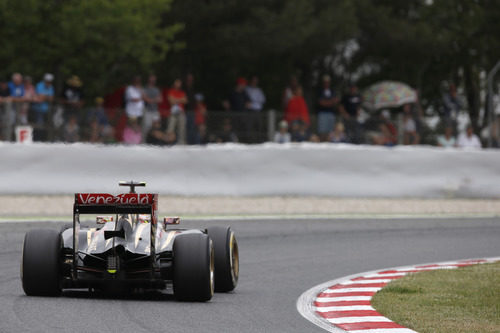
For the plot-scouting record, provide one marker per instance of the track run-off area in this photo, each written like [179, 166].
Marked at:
[280, 258]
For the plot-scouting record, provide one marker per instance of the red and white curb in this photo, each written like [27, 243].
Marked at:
[343, 305]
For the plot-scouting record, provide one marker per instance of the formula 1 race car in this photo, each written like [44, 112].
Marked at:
[128, 249]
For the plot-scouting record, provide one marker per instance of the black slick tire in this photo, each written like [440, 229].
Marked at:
[193, 265]
[41, 263]
[226, 258]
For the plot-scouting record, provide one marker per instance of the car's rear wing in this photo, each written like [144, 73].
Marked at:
[105, 203]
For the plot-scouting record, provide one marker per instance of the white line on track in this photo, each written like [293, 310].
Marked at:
[349, 290]
[385, 330]
[349, 320]
[343, 308]
[343, 299]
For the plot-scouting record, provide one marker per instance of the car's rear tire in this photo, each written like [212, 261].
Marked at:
[227, 261]
[41, 263]
[193, 267]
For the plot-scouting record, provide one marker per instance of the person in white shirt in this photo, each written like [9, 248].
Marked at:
[282, 136]
[469, 139]
[256, 95]
[134, 106]
[447, 140]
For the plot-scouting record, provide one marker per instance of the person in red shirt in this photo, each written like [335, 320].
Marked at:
[296, 108]
[177, 120]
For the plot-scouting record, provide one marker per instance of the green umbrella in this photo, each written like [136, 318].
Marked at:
[388, 94]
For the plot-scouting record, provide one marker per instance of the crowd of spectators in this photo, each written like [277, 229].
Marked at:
[178, 115]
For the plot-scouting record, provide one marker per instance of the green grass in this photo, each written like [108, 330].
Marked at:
[460, 300]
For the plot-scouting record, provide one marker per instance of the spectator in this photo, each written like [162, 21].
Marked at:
[350, 108]
[256, 95]
[108, 134]
[452, 104]
[297, 108]
[257, 100]
[239, 102]
[326, 108]
[132, 134]
[239, 99]
[71, 132]
[469, 140]
[98, 112]
[177, 120]
[200, 115]
[314, 138]
[5, 112]
[388, 135]
[152, 97]
[447, 140]
[16, 88]
[227, 134]
[72, 97]
[98, 123]
[191, 128]
[156, 136]
[29, 97]
[338, 134]
[202, 136]
[410, 134]
[299, 131]
[13, 109]
[45, 95]
[134, 99]
[4, 91]
[29, 89]
[282, 136]
[171, 138]
[288, 92]
[93, 131]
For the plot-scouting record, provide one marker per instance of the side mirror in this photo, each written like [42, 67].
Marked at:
[103, 219]
[171, 220]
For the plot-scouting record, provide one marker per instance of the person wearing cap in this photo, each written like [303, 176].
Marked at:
[239, 99]
[45, 95]
[72, 97]
[326, 107]
[282, 136]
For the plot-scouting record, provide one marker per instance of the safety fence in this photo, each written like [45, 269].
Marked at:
[20, 121]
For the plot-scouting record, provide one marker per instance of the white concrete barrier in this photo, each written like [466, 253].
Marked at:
[241, 170]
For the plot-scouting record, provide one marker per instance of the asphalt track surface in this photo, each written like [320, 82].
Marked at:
[280, 259]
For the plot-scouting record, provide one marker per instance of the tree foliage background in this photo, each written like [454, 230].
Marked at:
[420, 42]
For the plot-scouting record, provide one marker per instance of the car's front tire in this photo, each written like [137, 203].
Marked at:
[193, 265]
[227, 261]
[41, 263]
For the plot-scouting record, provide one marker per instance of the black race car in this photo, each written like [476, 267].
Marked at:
[129, 249]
